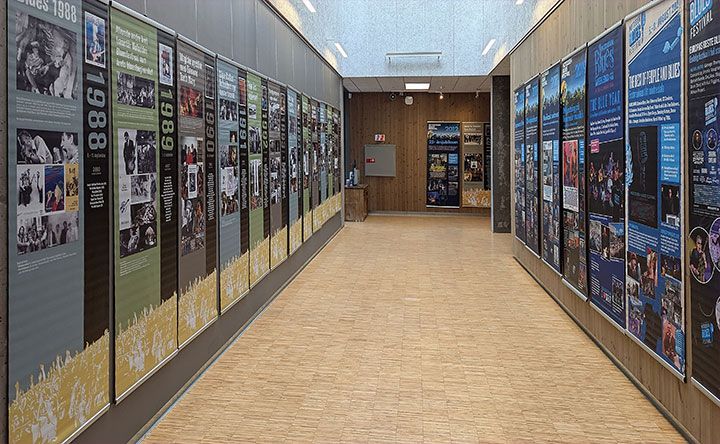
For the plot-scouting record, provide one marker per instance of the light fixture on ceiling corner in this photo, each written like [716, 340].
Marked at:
[488, 46]
[417, 86]
[310, 6]
[519, 2]
[442, 96]
[340, 49]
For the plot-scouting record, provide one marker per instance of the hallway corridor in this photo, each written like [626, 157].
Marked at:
[411, 329]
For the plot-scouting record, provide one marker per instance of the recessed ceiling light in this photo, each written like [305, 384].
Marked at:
[519, 2]
[340, 49]
[417, 85]
[488, 46]
[311, 8]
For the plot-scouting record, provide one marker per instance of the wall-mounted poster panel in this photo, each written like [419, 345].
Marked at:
[572, 99]
[487, 143]
[315, 134]
[295, 207]
[277, 132]
[653, 49]
[58, 219]
[443, 164]
[704, 174]
[259, 242]
[323, 157]
[234, 265]
[307, 167]
[197, 303]
[474, 193]
[532, 166]
[550, 180]
[519, 99]
[606, 175]
[337, 134]
[143, 115]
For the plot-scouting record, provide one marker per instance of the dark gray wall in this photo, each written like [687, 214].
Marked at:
[249, 32]
[500, 156]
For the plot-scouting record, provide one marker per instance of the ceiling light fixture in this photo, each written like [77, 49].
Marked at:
[488, 46]
[441, 96]
[417, 86]
[340, 49]
[311, 8]
[519, 2]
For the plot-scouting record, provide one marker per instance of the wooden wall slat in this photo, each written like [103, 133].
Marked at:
[405, 127]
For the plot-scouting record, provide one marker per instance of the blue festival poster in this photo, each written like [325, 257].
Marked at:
[519, 96]
[606, 175]
[573, 101]
[654, 282]
[532, 166]
[703, 229]
[443, 160]
[550, 93]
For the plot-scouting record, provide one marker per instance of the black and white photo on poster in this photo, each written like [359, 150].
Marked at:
[275, 192]
[135, 91]
[45, 58]
[192, 193]
[30, 189]
[228, 110]
[138, 152]
[166, 67]
[294, 171]
[256, 200]
[229, 191]
[46, 147]
[95, 43]
[43, 232]
[142, 233]
[143, 188]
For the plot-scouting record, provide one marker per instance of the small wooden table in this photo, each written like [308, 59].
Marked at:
[356, 203]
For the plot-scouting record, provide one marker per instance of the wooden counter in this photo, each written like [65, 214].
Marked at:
[356, 203]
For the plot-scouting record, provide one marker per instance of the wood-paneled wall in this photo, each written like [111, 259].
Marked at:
[406, 127]
[573, 23]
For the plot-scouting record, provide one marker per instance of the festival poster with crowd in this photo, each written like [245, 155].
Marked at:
[550, 180]
[58, 219]
[234, 266]
[145, 310]
[532, 166]
[474, 193]
[443, 164]
[654, 285]
[197, 302]
[307, 167]
[703, 232]
[259, 243]
[519, 162]
[606, 175]
[295, 207]
[573, 101]
[277, 132]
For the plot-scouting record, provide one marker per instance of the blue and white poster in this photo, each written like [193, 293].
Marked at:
[520, 163]
[654, 284]
[443, 160]
[550, 91]
[532, 200]
[573, 101]
[606, 175]
[703, 228]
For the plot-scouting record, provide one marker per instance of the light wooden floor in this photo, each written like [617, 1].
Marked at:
[410, 329]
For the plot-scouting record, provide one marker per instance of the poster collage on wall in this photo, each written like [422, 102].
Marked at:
[625, 244]
[158, 212]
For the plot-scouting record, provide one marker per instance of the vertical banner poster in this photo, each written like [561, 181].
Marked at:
[307, 167]
[143, 111]
[277, 132]
[550, 180]
[294, 174]
[487, 157]
[519, 137]
[315, 161]
[704, 174]
[443, 164]
[473, 153]
[322, 120]
[234, 265]
[655, 303]
[573, 101]
[197, 303]
[329, 150]
[532, 166]
[58, 219]
[606, 175]
[259, 243]
[244, 159]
